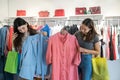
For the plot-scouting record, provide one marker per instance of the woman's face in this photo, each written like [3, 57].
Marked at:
[84, 29]
[23, 28]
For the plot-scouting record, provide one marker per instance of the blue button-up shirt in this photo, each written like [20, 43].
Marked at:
[33, 54]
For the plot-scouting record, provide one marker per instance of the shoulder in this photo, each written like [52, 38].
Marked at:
[78, 34]
[36, 36]
[96, 38]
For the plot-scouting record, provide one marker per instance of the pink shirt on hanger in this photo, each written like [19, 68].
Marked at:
[63, 54]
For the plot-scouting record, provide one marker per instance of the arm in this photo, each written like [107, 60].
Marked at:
[96, 50]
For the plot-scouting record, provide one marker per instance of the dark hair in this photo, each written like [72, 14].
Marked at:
[92, 33]
[18, 40]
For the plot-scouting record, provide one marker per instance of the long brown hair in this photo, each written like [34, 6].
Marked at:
[91, 34]
[18, 40]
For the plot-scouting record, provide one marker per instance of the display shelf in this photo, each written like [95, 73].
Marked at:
[81, 17]
[30, 19]
[77, 19]
[51, 20]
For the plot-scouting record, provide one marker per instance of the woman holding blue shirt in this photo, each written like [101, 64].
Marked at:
[32, 47]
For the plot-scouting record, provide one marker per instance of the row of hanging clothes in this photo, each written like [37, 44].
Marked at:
[6, 32]
[56, 28]
[52, 26]
[110, 42]
[109, 36]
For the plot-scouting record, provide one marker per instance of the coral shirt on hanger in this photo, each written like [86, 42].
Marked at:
[63, 54]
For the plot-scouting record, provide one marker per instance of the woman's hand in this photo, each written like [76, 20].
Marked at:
[82, 50]
[14, 36]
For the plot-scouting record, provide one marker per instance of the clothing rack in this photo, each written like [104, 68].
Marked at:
[58, 21]
[114, 20]
[1, 23]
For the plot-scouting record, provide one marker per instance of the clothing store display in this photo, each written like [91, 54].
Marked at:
[43, 14]
[80, 10]
[95, 10]
[59, 12]
[21, 13]
[50, 45]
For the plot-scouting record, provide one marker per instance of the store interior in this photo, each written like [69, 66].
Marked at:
[109, 15]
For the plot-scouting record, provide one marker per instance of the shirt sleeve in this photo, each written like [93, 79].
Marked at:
[77, 58]
[49, 52]
[44, 47]
[96, 39]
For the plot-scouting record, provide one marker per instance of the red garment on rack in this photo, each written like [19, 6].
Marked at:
[114, 45]
[10, 38]
[108, 38]
[8, 43]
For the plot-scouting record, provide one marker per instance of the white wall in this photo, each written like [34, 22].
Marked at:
[114, 69]
[3, 9]
[109, 7]
[31, 6]
[9, 7]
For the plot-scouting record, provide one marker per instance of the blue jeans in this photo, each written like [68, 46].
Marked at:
[85, 67]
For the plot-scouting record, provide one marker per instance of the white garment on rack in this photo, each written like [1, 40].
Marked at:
[0, 26]
[55, 29]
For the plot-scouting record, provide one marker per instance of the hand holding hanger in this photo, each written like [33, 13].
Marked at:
[65, 30]
[14, 36]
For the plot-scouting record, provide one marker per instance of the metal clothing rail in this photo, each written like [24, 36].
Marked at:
[73, 19]
[1, 23]
[112, 22]
[67, 20]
